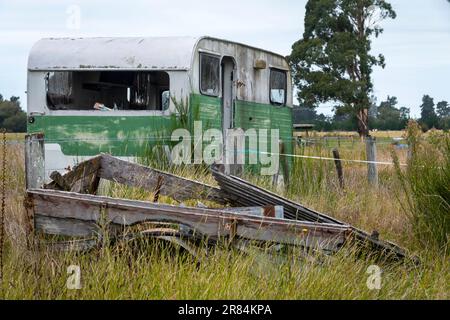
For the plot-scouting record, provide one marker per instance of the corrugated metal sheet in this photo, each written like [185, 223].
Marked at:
[242, 193]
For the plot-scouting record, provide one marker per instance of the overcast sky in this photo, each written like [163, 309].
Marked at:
[416, 45]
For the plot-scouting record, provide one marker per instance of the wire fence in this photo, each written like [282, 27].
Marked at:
[167, 139]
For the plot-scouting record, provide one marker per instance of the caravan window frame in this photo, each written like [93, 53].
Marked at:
[120, 112]
[272, 69]
[219, 59]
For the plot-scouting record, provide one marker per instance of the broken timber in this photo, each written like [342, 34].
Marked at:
[131, 174]
[74, 214]
[68, 206]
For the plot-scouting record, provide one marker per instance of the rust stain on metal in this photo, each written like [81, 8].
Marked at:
[269, 211]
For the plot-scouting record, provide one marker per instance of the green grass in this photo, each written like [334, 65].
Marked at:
[426, 181]
[156, 272]
[150, 270]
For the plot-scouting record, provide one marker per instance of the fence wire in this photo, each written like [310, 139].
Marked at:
[168, 139]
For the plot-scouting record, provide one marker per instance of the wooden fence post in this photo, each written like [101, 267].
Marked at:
[34, 160]
[284, 161]
[371, 154]
[283, 167]
[338, 163]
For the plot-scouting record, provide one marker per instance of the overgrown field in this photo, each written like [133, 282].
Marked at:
[149, 270]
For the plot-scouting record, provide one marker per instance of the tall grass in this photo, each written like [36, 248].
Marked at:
[426, 182]
[152, 270]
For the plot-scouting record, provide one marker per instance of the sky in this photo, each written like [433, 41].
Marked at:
[416, 45]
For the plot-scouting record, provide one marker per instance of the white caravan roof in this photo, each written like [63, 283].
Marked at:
[158, 53]
[133, 53]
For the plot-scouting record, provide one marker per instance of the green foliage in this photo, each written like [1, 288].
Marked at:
[388, 117]
[12, 117]
[428, 117]
[426, 181]
[332, 63]
[385, 116]
[182, 109]
[443, 112]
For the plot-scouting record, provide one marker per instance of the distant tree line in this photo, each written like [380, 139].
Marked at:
[12, 117]
[383, 116]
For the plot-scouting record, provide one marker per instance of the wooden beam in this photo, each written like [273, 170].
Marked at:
[66, 208]
[135, 175]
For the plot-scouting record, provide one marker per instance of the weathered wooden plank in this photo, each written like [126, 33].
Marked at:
[135, 175]
[34, 160]
[83, 178]
[65, 226]
[208, 222]
[87, 184]
[266, 211]
[60, 181]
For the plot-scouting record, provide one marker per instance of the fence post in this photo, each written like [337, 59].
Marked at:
[371, 154]
[283, 167]
[338, 163]
[284, 162]
[34, 160]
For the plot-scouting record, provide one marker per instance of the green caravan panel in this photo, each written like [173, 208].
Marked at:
[118, 135]
[206, 109]
[248, 115]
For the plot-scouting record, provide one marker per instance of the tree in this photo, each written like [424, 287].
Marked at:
[405, 115]
[428, 117]
[332, 63]
[16, 123]
[388, 117]
[15, 100]
[443, 108]
[443, 112]
[12, 117]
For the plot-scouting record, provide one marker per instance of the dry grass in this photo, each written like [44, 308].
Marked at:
[373, 133]
[149, 271]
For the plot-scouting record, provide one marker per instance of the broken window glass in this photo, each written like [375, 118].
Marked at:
[209, 74]
[59, 89]
[107, 90]
[165, 98]
[278, 83]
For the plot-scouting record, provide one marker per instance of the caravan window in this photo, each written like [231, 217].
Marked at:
[107, 90]
[209, 74]
[278, 86]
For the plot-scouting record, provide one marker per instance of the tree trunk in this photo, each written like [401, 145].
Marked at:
[363, 122]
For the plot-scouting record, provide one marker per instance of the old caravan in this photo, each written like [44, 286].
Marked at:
[121, 95]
